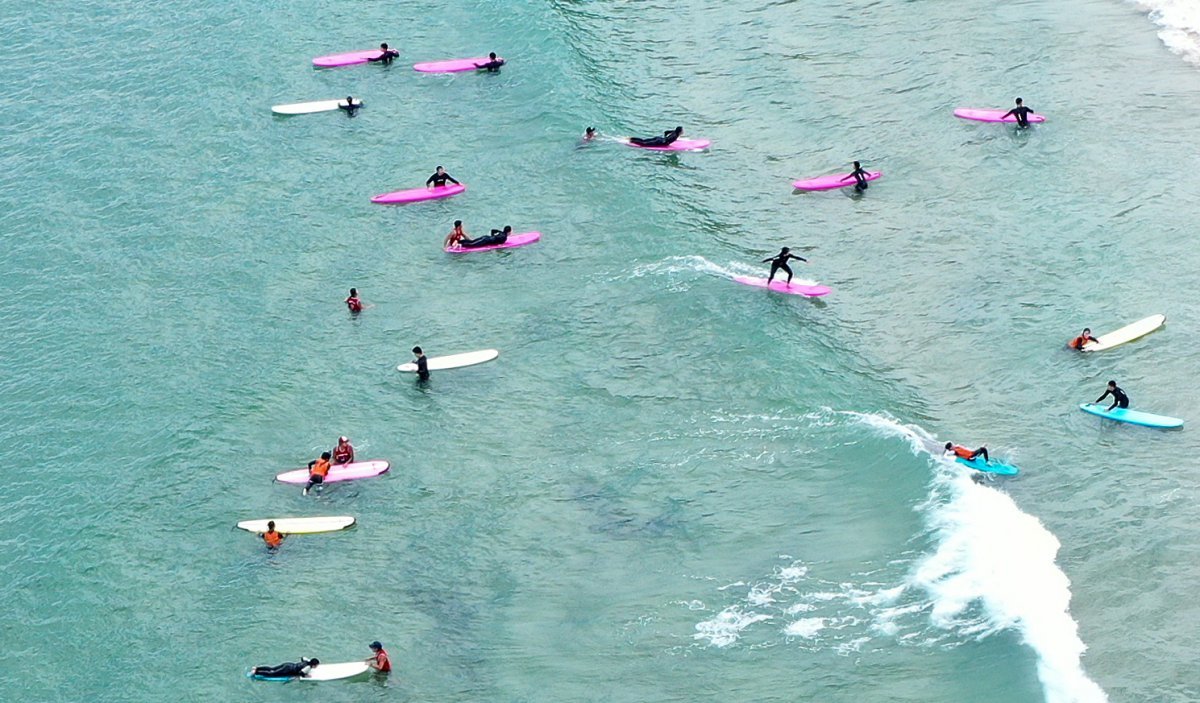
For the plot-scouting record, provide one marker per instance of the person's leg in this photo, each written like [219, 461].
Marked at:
[787, 268]
[774, 270]
[982, 451]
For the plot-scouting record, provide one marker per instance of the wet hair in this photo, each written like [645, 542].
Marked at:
[1018, 101]
[590, 129]
[270, 524]
[440, 168]
[784, 250]
[492, 56]
[353, 292]
[349, 99]
[1112, 383]
[949, 445]
[314, 661]
[507, 228]
[679, 129]
[417, 350]
[325, 455]
[383, 45]
[458, 223]
[857, 165]
[1087, 329]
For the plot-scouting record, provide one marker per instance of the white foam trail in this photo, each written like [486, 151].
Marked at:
[699, 264]
[1179, 22]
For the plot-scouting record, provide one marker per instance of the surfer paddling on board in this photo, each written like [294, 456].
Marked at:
[1020, 112]
[343, 453]
[966, 454]
[422, 364]
[350, 105]
[456, 235]
[290, 670]
[318, 469]
[492, 65]
[379, 661]
[354, 303]
[779, 261]
[860, 177]
[1119, 398]
[386, 55]
[271, 537]
[439, 178]
[1082, 339]
[667, 139]
[498, 236]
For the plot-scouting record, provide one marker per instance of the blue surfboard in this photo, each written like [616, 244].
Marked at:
[993, 467]
[1133, 417]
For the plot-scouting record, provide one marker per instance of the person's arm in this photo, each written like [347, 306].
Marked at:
[768, 259]
[429, 181]
[1103, 396]
[1010, 112]
[798, 258]
[451, 179]
[310, 464]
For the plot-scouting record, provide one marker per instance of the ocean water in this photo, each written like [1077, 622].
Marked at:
[668, 487]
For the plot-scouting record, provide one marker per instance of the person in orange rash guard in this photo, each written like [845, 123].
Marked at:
[343, 453]
[966, 454]
[317, 471]
[379, 661]
[1083, 339]
[271, 537]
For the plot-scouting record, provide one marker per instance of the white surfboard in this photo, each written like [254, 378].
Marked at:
[453, 361]
[332, 672]
[1128, 333]
[306, 108]
[300, 525]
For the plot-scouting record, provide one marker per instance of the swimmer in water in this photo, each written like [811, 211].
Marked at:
[354, 304]
[779, 261]
[492, 65]
[343, 453]
[386, 55]
[589, 134]
[422, 364]
[318, 469]
[1022, 114]
[966, 454]
[272, 538]
[667, 139]
[1082, 339]
[350, 105]
[1119, 398]
[439, 178]
[860, 177]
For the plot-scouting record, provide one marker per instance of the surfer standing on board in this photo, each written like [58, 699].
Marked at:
[966, 454]
[1021, 113]
[667, 139]
[780, 262]
[859, 176]
[439, 178]
[1119, 397]
[1083, 338]
[386, 55]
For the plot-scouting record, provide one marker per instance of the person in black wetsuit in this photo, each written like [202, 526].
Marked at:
[386, 55]
[1119, 397]
[498, 236]
[439, 178]
[298, 669]
[492, 65]
[1022, 114]
[780, 262]
[422, 364]
[859, 175]
[350, 105]
[667, 139]
[589, 134]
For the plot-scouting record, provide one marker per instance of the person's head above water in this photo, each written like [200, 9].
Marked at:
[507, 229]
[1112, 384]
[314, 661]
[679, 130]
[353, 292]
[785, 250]
[457, 224]
[492, 56]
[376, 645]
[384, 46]
[326, 456]
[590, 131]
[949, 446]
[857, 165]
[1087, 331]
[270, 525]
[1018, 101]
[417, 351]
[440, 170]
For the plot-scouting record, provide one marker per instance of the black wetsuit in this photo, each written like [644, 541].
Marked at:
[1119, 398]
[423, 368]
[287, 669]
[490, 66]
[350, 107]
[860, 179]
[386, 57]
[666, 139]
[1022, 114]
[780, 262]
[496, 237]
[439, 181]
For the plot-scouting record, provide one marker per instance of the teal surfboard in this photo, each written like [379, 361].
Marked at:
[1133, 417]
[992, 467]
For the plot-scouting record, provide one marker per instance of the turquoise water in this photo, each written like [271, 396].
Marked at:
[668, 486]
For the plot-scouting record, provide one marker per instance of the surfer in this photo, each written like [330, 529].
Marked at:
[1083, 339]
[860, 177]
[379, 661]
[667, 139]
[966, 454]
[492, 65]
[343, 453]
[780, 262]
[1022, 114]
[439, 178]
[456, 235]
[1119, 397]
[271, 537]
[353, 302]
[589, 134]
[498, 236]
[422, 364]
[350, 105]
[289, 670]
[386, 56]
[317, 470]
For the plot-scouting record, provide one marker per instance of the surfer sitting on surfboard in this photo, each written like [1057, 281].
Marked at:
[317, 470]
[1022, 114]
[860, 177]
[386, 56]
[439, 178]
[422, 364]
[298, 669]
[343, 453]
[1119, 397]
[1083, 339]
[780, 262]
[493, 64]
[667, 139]
[964, 453]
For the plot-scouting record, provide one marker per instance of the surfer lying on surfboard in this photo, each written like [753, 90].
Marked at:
[439, 178]
[667, 139]
[1119, 397]
[780, 262]
[386, 55]
[492, 65]
[1082, 339]
[288, 670]
[964, 453]
[1022, 114]
[860, 177]
[318, 469]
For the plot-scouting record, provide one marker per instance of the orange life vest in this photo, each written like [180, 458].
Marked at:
[321, 468]
[962, 451]
[273, 539]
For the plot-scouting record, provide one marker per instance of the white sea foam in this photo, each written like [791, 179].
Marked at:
[699, 264]
[1179, 25]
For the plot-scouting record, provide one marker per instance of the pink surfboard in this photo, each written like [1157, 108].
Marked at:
[347, 59]
[807, 290]
[677, 145]
[831, 182]
[452, 65]
[416, 195]
[970, 113]
[339, 472]
[514, 240]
